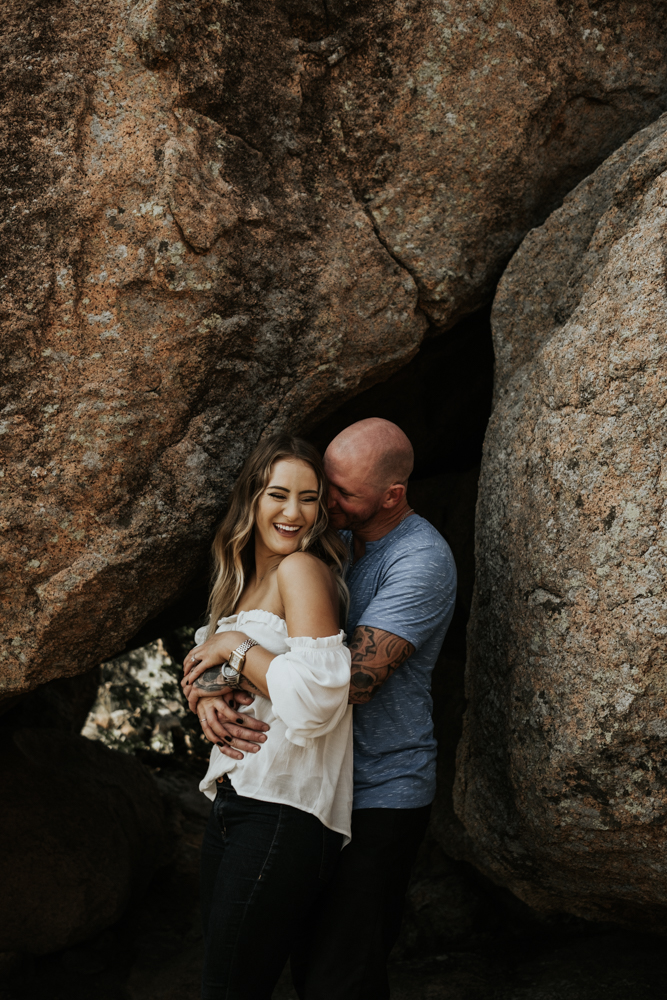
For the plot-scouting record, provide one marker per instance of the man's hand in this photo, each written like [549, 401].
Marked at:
[232, 731]
[376, 654]
[210, 683]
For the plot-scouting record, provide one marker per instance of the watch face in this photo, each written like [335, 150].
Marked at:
[229, 672]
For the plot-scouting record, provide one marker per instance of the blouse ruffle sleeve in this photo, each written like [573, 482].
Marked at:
[309, 686]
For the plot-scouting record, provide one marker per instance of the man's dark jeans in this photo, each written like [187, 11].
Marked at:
[345, 941]
[263, 866]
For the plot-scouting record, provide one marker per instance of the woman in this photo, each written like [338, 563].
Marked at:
[282, 815]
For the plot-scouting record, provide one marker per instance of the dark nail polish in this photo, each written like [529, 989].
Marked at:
[240, 722]
[228, 738]
[219, 744]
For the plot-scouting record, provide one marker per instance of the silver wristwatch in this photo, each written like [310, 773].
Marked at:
[233, 668]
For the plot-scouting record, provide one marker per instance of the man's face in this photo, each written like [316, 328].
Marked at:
[353, 502]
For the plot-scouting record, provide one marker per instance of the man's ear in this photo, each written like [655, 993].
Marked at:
[394, 495]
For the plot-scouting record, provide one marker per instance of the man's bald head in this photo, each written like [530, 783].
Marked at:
[374, 448]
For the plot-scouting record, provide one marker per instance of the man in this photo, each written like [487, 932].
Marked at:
[402, 582]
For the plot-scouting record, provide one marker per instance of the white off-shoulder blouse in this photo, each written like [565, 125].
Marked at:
[306, 761]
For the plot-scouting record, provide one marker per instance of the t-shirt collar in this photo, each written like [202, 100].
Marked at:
[377, 543]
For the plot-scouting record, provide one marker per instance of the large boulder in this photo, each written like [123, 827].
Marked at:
[563, 762]
[83, 829]
[222, 218]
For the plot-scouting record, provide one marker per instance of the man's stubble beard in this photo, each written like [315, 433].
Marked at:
[353, 524]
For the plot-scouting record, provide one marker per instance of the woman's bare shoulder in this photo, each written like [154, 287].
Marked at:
[303, 569]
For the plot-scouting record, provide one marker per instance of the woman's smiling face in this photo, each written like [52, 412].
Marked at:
[288, 506]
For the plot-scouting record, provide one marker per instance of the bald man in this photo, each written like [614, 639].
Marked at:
[402, 582]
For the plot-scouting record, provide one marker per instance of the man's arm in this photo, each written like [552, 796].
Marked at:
[376, 654]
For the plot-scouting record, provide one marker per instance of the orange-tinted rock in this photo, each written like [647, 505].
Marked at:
[227, 217]
[187, 292]
[563, 763]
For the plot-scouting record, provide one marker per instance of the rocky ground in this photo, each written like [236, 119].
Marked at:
[483, 945]
[155, 954]
[611, 967]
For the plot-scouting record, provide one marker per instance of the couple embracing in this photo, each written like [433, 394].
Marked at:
[323, 769]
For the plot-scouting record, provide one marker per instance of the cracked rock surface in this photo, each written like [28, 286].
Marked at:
[221, 218]
[562, 767]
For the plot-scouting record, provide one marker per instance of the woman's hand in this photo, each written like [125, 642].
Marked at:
[201, 669]
[230, 730]
[212, 653]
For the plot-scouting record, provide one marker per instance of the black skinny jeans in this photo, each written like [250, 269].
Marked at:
[263, 865]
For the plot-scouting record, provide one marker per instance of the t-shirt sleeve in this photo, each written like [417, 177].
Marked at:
[416, 594]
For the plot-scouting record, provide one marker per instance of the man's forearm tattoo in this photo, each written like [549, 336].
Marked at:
[376, 654]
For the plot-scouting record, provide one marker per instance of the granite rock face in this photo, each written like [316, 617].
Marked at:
[562, 771]
[222, 218]
[83, 829]
[174, 291]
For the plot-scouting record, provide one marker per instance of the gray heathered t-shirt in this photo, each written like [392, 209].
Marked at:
[405, 584]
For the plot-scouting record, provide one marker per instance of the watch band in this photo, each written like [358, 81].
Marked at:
[238, 655]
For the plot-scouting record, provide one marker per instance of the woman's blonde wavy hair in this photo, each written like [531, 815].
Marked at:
[233, 545]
